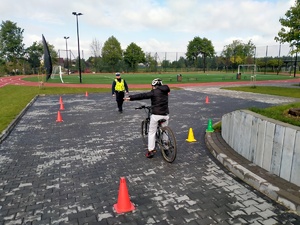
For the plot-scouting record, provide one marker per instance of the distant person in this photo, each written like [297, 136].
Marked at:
[159, 96]
[119, 87]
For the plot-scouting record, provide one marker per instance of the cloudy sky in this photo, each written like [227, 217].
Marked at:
[154, 25]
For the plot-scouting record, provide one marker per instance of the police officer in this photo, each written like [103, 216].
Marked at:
[119, 86]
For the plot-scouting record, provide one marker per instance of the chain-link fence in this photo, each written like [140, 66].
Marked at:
[269, 59]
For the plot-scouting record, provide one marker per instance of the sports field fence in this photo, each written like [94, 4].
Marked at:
[268, 59]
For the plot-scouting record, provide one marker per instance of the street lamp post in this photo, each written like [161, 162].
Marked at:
[79, 60]
[67, 54]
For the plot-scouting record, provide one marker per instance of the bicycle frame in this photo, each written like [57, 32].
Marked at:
[164, 137]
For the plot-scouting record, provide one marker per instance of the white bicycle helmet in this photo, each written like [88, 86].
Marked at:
[157, 82]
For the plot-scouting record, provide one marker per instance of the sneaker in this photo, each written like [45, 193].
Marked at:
[150, 154]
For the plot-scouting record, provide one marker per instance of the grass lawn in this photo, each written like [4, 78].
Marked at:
[276, 112]
[170, 78]
[270, 90]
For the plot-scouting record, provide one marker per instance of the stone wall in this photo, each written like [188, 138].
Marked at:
[270, 144]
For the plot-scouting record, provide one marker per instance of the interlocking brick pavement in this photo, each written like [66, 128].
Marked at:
[69, 172]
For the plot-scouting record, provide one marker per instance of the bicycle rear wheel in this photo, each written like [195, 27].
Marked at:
[145, 130]
[168, 144]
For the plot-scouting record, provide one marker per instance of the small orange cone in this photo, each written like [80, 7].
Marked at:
[123, 205]
[86, 94]
[191, 136]
[206, 100]
[60, 100]
[62, 107]
[59, 118]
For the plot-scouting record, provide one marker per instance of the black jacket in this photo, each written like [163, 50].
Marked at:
[159, 99]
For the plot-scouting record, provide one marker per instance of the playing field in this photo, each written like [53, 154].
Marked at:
[146, 78]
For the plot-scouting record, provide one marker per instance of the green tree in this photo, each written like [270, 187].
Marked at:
[53, 53]
[290, 31]
[34, 55]
[200, 47]
[151, 63]
[275, 64]
[238, 53]
[180, 64]
[11, 45]
[134, 55]
[112, 52]
[166, 64]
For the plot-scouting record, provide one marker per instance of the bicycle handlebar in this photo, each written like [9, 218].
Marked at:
[143, 107]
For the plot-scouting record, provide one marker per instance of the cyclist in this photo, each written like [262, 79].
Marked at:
[159, 96]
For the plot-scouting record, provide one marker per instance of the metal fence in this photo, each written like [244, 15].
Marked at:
[265, 57]
[273, 58]
[272, 51]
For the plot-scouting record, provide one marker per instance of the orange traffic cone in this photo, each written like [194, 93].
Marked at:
[59, 118]
[86, 94]
[123, 205]
[206, 100]
[60, 100]
[62, 107]
[191, 136]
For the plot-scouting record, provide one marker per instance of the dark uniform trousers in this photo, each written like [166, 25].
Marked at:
[120, 99]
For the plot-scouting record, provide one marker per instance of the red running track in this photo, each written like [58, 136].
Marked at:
[17, 80]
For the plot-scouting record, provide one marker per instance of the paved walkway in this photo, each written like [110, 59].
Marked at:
[69, 172]
[271, 185]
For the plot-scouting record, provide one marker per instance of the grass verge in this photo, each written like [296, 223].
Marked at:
[279, 112]
[168, 78]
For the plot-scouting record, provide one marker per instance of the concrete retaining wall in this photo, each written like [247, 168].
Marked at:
[270, 144]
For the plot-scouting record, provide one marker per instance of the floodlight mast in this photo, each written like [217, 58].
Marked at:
[67, 53]
[79, 60]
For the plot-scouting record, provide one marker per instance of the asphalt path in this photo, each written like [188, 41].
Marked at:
[69, 172]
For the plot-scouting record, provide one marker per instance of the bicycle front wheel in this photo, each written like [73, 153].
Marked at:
[168, 144]
[144, 131]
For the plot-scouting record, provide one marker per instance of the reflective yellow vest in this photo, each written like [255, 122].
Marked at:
[120, 86]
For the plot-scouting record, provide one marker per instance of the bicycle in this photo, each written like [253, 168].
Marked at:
[164, 138]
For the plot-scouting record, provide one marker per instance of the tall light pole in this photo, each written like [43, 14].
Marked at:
[79, 60]
[67, 53]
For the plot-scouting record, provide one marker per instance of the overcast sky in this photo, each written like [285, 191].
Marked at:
[154, 25]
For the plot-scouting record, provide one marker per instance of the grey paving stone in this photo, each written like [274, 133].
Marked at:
[69, 172]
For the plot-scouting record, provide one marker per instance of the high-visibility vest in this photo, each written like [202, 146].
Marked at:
[120, 86]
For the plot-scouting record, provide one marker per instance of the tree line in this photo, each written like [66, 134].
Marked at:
[200, 53]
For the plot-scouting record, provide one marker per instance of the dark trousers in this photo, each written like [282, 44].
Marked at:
[120, 99]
